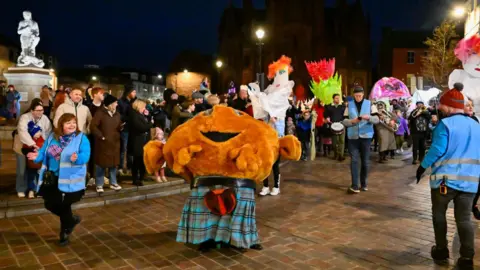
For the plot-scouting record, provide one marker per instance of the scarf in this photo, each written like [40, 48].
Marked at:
[55, 151]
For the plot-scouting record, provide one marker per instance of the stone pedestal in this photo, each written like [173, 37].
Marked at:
[28, 81]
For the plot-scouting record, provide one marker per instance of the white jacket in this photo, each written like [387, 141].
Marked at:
[22, 128]
[82, 112]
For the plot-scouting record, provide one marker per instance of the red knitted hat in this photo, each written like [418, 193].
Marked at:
[454, 97]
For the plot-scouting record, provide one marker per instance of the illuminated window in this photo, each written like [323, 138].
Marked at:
[410, 57]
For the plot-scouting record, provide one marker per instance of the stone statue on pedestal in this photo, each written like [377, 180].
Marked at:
[29, 38]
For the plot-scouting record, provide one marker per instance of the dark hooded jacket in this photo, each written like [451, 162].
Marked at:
[125, 106]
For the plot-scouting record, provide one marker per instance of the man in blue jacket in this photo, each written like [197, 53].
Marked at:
[360, 116]
[455, 160]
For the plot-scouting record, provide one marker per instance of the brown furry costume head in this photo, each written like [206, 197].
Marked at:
[222, 142]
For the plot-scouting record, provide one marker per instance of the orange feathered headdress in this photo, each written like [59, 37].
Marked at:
[282, 63]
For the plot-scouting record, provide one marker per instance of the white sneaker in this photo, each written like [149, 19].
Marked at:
[275, 191]
[265, 191]
[21, 194]
[115, 187]
[106, 180]
[91, 182]
[31, 195]
[100, 189]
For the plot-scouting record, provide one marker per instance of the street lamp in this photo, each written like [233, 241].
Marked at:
[459, 12]
[160, 76]
[185, 71]
[260, 33]
[94, 78]
[219, 65]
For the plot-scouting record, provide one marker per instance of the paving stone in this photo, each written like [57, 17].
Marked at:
[312, 224]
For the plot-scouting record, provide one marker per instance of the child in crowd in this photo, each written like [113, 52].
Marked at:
[402, 130]
[160, 136]
[32, 168]
[433, 123]
[304, 127]
[290, 126]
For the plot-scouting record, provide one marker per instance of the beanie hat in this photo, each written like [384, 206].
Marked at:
[109, 99]
[358, 89]
[33, 128]
[196, 95]
[454, 97]
[128, 89]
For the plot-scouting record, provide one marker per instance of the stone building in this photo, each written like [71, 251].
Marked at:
[305, 30]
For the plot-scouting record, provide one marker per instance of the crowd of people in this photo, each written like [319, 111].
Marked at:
[72, 131]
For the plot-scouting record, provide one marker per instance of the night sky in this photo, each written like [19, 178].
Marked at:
[148, 34]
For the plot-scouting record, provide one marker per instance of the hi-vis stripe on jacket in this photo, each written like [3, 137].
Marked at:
[71, 175]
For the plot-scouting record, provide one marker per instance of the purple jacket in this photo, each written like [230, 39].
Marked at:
[403, 127]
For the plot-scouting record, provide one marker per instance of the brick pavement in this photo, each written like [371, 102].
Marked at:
[312, 224]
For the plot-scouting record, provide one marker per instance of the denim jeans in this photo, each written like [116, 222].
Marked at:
[123, 150]
[21, 180]
[463, 205]
[100, 173]
[32, 179]
[305, 150]
[360, 153]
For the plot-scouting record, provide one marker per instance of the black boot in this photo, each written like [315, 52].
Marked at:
[256, 247]
[206, 246]
[440, 256]
[63, 238]
[464, 264]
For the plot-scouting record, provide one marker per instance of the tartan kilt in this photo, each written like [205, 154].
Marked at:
[238, 229]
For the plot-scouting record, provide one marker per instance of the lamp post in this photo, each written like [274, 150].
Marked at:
[219, 65]
[260, 33]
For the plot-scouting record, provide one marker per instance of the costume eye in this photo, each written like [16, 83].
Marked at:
[238, 112]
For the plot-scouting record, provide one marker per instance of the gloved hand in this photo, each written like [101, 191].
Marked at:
[420, 172]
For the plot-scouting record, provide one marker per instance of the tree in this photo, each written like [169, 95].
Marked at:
[440, 59]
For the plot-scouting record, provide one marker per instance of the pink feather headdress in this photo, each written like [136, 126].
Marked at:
[467, 46]
[321, 71]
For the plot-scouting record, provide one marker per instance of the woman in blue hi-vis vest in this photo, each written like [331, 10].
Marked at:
[64, 157]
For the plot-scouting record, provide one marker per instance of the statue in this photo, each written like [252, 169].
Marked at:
[29, 38]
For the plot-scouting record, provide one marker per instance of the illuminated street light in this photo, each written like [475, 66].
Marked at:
[185, 71]
[260, 33]
[219, 64]
[458, 12]
[94, 78]
[159, 76]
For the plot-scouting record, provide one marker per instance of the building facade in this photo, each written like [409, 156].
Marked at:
[401, 56]
[472, 22]
[304, 31]
[149, 86]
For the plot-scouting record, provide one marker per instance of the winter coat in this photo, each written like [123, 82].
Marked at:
[177, 117]
[124, 108]
[139, 130]
[80, 111]
[106, 129]
[13, 99]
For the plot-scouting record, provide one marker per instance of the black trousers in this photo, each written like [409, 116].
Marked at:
[462, 212]
[419, 146]
[138, 169]
[276, 175]
[60, 204]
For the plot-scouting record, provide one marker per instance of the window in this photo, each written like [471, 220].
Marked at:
[41, 56]
[410, 57]
[144, 78]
